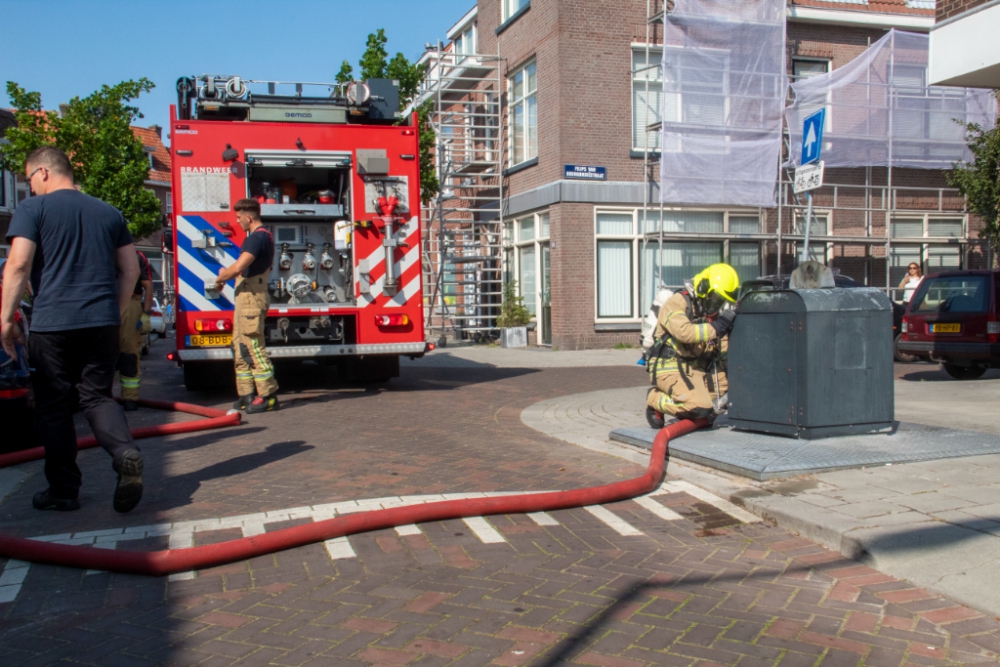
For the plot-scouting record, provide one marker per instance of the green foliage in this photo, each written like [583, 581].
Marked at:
[624, 346]
[512, 311]
[375, 64]
[108, 159]
[375, 59]
[978, 181]
[346, 73]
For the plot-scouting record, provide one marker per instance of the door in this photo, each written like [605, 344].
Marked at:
[545, 321]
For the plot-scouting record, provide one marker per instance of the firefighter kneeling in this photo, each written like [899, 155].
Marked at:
[687, 361]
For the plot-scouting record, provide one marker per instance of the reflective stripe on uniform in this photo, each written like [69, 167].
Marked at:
[130, 383]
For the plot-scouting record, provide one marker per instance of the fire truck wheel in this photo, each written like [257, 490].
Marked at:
[208, 375]
[368, 369]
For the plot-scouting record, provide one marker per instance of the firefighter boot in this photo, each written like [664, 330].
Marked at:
[653, 417]
[263, 404]
[243, 402]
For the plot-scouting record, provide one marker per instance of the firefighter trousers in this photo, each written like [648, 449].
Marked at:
[129, 348]
[253, 366]
[686, 392]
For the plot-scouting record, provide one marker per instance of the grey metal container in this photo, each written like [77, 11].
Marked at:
[812, 363]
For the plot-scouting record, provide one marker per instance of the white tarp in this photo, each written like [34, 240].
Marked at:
[724, 85]
[881, 112]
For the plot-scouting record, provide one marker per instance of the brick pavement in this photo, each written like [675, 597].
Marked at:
[703, 589]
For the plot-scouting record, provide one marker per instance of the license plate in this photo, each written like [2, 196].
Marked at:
[946, 328]
[211, 341]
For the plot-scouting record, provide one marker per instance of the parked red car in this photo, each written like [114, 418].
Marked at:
[953, 318]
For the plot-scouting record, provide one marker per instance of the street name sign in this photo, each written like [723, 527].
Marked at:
[585, 172]
[808, 177]
[812, 137]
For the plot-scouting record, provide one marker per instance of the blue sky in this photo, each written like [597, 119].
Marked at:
[67, 48]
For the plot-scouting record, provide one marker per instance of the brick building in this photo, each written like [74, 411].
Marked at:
[579, 86]
[964, 48]
[8, 186]
[158, 183]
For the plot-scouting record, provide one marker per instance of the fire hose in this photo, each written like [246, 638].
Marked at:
[169, 561]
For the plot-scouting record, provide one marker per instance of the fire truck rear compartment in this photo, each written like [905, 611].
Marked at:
[318, 329]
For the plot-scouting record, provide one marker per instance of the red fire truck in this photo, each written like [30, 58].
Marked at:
[337, 174]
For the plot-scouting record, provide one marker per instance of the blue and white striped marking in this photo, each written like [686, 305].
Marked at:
[197, 266]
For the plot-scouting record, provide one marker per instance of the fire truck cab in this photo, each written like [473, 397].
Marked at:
[337, 175]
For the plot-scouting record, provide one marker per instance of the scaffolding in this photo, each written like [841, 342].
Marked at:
[868, 211]
[462, 256]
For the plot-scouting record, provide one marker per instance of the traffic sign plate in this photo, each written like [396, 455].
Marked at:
[808, 177]
[812, 136]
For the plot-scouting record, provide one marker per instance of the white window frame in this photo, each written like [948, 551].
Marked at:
[827, 245]
[638, 235]
[510, 7]
[512, 246]
[639, 84]
[828, 118]
[522, 101]
[925, 220]
[680, 95]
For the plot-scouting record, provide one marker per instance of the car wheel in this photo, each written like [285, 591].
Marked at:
[899, 355]
[964, 372]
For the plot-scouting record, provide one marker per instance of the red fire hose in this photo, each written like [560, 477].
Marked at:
[158, 563]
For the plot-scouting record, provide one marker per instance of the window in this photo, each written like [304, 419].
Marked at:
[523, 114]
[510, 7]
[959, 294]
[625, 292]
[927, 226]
[525, 242]
[804, 69]
[820, 227]
[465, 41]
[4, 187]
[696, 86]
[647, 96]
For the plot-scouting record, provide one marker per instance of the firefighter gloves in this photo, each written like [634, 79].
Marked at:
[723, 324]
[145, 324]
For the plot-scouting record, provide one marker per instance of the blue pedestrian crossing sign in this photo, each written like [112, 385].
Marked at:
[812, 137]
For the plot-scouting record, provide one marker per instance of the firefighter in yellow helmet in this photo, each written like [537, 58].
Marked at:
[687, 362]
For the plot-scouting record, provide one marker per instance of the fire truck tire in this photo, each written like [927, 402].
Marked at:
[208, 375]
[368, 369]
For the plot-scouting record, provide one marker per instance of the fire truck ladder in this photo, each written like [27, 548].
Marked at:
[463, 267]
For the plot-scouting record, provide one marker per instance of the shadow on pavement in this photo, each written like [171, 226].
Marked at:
[938, 536]
[937, 374]
[180, 489]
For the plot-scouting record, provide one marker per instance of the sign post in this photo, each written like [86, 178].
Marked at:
[808, 177]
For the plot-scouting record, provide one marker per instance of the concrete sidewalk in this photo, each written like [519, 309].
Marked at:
[936, 523]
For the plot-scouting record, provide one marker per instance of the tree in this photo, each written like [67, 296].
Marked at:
[109, 161]
[375, 64]
[346, 73]
[978, 182]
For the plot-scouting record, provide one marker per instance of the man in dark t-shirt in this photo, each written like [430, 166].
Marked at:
[253, 367]
[79, 256]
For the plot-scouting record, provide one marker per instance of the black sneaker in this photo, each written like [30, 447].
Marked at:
[128, 493]
[129, 406]
[265, 404]
[243, 402]
[44, 500]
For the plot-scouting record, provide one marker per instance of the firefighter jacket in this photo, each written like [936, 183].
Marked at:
[682, 337]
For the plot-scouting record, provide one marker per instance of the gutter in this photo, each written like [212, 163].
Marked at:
[799, 14]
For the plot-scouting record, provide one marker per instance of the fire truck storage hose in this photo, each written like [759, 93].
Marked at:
[169, 561]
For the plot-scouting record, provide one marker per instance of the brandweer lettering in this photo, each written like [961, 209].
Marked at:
[205, 170]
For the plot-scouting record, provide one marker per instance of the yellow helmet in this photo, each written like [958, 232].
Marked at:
[720, 279]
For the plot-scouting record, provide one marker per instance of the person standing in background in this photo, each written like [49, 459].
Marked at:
[910, 281]
[135, 325]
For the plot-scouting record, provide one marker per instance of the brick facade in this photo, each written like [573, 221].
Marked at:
[946, 9]
[583, 54]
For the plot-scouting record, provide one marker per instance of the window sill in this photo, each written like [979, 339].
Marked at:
[618, 326]
[639, 155]
[521, 166]
[513, 17]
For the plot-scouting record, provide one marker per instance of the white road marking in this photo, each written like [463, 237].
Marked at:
[483, 530]
[408, 529]
[542, 519]
[713, 500]
[656, 508]
[181, 576]
[12, 578]
[340, 548]
[612, 520]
